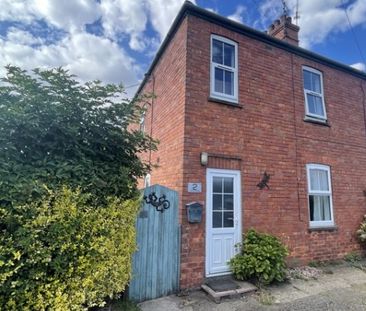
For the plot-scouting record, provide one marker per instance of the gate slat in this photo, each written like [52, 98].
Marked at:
[155, 266]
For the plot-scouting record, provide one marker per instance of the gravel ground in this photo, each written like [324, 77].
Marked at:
[338, 288]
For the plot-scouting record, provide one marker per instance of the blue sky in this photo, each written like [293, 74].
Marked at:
[115, 40]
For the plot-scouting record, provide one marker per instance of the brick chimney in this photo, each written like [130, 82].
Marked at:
[285, 30]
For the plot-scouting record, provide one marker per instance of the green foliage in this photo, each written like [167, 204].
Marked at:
[353, 257]
[262, 257]
[63, 254]
[56, 131]
[122, 305]
[265, 298]
[361, 232]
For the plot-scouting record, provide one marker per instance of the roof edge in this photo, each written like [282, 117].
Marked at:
[188, 8]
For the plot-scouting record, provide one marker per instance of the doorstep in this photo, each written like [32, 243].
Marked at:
[226, 286]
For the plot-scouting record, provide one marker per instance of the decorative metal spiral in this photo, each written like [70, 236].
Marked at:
[160, 204]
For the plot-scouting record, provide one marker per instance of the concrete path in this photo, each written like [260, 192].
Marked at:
[340, 287]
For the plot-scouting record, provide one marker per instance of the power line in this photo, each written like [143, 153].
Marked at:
[354, 34]
[132, 85]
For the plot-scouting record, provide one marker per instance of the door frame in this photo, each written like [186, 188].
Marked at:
[237, 211]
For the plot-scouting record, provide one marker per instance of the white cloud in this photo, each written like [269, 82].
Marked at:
[125, 16]
[16, 10]
[318, 19]
[68, 15]
[237, 16]
[88, 56]
[130, 17]
[212, 10]
[65, 42]
[22, 37]
[359, 66]
[162, 14]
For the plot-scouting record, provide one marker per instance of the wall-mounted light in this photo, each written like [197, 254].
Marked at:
[204, 158]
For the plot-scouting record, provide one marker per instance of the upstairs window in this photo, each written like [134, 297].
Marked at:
[320, 195]
[314, 94]
[224, 69]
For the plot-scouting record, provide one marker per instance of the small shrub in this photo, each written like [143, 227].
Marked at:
[315, 263]
[262, 257]
[361, 232]
[353, 257]
[63, 254]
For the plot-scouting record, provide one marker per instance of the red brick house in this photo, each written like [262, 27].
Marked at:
[233, 103]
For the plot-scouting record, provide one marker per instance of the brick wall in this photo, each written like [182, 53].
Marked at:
[266, 132]
[164, 118]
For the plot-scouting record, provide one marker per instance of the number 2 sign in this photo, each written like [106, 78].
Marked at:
[194, 187]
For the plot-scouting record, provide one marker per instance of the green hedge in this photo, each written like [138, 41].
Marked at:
[262, 257]
[63, 254]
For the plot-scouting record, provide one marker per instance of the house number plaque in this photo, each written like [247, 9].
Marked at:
[194, 187]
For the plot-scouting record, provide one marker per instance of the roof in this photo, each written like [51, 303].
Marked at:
[189, 8]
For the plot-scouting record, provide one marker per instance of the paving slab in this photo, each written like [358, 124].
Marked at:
[342, 290]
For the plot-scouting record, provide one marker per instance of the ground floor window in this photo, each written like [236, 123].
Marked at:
[320, 195]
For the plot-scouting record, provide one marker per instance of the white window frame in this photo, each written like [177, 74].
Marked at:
[142, 122]
[321, 223]
[321, 95]
[223, 96]
[147, 181]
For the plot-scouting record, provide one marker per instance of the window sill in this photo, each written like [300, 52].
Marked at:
[225, 102]
[327, 228]
[316, 121]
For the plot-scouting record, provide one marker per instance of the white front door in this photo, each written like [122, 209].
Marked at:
[223, 219]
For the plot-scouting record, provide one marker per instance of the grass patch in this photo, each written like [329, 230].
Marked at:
[353, 257]
[322, 264]
[265, 298]
[120, 305]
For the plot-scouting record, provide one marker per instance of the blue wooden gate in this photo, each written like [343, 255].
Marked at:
[155, 266]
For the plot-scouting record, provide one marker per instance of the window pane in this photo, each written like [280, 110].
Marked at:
[217, 219]
[229, 82]
[228, 219]
[319, 208]
[315, 82]
[319, 180]
[228, 184]
[312, 81]
[229, 55]
[315, 105]
[217, 51]
[219, 80]
[228, 202]
[217, 184]
[217, 201]
[307, 80]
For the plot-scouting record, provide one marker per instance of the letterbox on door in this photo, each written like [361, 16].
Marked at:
[194, 212]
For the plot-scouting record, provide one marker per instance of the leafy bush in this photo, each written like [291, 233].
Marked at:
[353, 257]
[361, 232]
[262, 257]
[56, 131]
[63, 254]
